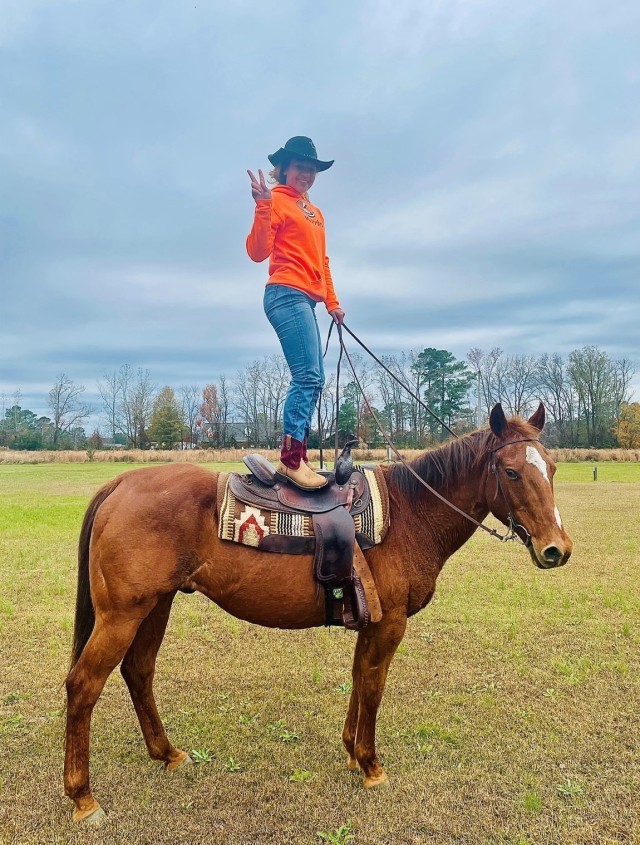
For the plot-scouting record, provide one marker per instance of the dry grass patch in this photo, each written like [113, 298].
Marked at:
[595, 455]
[128, 456]
[198, 456]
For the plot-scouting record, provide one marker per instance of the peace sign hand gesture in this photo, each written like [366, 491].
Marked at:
[259, 189]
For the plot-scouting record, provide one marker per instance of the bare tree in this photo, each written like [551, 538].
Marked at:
[14, 411]
[116, 389]
[143, 396]
[272, 390]
[67, 410]
[111, 387]
[136, 404]
[327, 411]
[190, 406]
[398, 408]
[246, 387]
[557, 393]
[517, 383]
[260, 391]
[225, 405]
[623, 372]
[484, 365]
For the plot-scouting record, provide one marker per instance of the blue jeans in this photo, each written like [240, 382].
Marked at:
[292, 314]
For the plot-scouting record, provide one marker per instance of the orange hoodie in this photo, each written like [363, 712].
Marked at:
[289, 230]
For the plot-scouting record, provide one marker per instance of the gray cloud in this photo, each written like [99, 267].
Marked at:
[484, 193]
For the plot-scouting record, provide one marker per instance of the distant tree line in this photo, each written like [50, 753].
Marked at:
[586, 396]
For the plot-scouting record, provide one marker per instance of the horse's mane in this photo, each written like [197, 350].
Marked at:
[443, 466]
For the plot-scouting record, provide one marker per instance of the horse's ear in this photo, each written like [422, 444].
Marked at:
[537, 420]
[497, 420]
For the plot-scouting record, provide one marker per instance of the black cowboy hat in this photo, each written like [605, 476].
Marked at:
[299, 147]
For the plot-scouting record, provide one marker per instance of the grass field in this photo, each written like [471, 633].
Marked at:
[511, 714]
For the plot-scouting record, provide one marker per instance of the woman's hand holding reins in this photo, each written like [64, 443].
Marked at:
[259, 188]
[338, 316]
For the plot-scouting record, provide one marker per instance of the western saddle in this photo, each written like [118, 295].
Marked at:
[339, 565]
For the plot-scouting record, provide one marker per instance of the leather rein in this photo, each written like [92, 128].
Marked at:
[512, 523]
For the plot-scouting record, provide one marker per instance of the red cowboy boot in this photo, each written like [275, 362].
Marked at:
[305, 457]
[292, 467]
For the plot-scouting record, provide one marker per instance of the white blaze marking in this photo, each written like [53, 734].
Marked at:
[534, 457]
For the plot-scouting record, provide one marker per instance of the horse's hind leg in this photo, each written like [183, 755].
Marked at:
[105, 648]
[138, 669]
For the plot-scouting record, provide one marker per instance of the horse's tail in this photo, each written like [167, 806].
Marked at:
[85, 615]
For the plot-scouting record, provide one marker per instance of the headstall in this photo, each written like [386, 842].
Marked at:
[511, 521]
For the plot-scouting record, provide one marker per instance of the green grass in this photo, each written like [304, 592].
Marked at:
[608, 471]
[510, 715]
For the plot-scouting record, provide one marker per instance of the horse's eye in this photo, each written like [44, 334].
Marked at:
[511, 473]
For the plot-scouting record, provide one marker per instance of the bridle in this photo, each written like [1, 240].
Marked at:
[511, 521]
[512, 524]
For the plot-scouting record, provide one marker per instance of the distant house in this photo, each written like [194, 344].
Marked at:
[236, 434]
[108, 443]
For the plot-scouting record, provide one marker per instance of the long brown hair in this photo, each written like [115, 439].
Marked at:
[279, 172]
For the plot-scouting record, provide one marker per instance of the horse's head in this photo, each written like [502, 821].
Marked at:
[520, 487]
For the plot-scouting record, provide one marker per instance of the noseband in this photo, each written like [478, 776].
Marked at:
[512, 524]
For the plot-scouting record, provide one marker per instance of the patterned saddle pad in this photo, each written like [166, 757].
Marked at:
[292, 532]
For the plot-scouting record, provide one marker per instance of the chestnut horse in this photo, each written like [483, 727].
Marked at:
[151, 532]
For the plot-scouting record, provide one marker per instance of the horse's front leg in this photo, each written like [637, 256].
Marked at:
[351, 722]
[377, 645]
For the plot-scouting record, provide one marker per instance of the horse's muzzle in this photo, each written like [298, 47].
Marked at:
[551, 556]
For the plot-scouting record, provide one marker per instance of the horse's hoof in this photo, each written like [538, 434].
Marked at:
[183, 760]
[93, 816]
[352, 764]
[380, 780]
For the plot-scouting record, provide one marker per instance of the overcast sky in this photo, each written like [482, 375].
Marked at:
[486, 190]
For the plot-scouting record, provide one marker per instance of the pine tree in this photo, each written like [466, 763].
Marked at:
[167, 424]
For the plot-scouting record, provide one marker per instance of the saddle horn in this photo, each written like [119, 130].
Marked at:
[344, 464]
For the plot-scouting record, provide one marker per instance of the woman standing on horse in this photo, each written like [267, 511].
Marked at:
[289, 230]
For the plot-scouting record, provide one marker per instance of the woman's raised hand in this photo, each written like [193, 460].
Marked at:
[259, 189]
